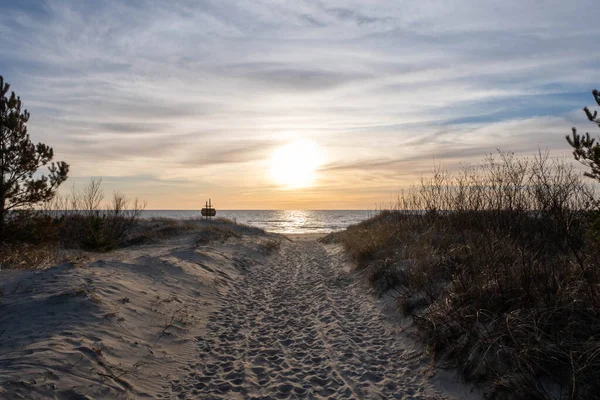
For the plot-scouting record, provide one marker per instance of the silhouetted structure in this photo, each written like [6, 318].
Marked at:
[208, 211]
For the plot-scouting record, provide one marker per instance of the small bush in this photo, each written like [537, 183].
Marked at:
[82, 222]
[30, 227]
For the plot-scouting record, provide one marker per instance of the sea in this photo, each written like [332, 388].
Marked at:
[292, 221]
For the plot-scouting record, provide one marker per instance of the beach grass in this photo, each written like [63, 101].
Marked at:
[498, 267]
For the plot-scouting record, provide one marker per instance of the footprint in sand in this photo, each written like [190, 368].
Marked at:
[293, 329]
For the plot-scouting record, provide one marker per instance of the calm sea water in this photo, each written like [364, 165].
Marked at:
[322, 221]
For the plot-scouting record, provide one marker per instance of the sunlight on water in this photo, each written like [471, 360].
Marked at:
[293, 221]
[297, 218]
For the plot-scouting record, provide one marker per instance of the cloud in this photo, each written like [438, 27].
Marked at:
[293, 79]
[201, 91]
[346, 14]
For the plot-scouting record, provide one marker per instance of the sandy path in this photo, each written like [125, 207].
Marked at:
[296, 328]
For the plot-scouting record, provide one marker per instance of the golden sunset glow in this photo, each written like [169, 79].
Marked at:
[294, 165]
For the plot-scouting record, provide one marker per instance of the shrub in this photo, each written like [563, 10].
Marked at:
[82, 221]
[31, 227]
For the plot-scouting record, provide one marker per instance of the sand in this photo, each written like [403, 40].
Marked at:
[298, 327]
[118, 327]
[218, 321]
[304, 237]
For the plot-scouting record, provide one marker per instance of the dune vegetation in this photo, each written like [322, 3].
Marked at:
[498, 266]
[499, 270]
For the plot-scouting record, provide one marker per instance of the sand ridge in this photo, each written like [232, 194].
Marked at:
[295, 327]
[117, 327]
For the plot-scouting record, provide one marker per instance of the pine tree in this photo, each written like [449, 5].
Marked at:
[585, 148]
[20, 160]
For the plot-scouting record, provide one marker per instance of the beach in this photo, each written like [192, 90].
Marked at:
[256, 315]
[304, 237]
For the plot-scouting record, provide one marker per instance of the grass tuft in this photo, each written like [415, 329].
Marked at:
[215, 233]
[272, 245]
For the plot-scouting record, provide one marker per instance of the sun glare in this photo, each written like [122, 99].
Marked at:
[295, 164]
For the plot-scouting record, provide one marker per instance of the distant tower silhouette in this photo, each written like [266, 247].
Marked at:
[208, 211]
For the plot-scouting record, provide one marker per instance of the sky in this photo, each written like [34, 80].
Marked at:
[177, 101]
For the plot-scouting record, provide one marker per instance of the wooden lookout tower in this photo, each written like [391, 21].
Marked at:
[208, 211]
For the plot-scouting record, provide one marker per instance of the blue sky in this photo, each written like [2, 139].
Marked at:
[177, 101]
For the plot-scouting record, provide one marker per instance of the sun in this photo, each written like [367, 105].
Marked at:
[294, 165]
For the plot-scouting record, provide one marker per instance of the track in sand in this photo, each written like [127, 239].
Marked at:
[296, 328]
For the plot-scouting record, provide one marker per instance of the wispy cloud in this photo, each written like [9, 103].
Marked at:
[196, 94]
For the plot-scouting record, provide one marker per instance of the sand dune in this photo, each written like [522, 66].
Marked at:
[118, 326]
[205, 321]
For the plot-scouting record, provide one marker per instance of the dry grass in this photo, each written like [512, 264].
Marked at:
[220, 221]
[225, 220]
[271, 245]
[500, 270]
[157, 229]
[221, 234]
[27, 256]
